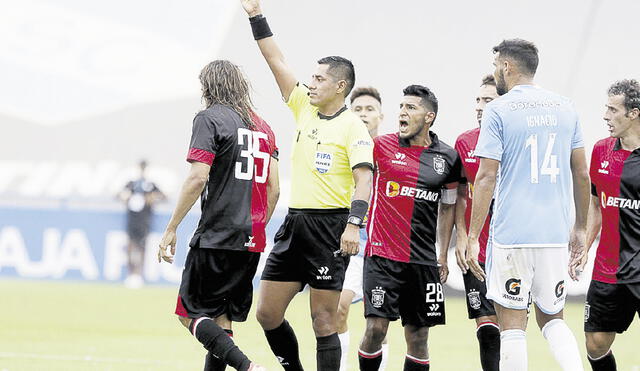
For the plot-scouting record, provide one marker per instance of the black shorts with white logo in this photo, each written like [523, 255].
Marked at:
[408, 291]
[305, 247]
[477, 303]
[216, 282]
[610, 307]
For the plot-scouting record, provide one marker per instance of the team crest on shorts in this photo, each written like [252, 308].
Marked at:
[438, 165]
[323, 162]
[474, 300]
[377, 297]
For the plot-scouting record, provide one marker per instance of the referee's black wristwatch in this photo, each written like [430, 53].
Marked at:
[355, 220]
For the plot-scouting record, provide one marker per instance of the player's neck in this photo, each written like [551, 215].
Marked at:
[631, 140]
[520, 80]
[331, 108]
[422, 139]
[373, 133]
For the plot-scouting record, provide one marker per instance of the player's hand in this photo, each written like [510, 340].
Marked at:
[350, 240]
[461, 251]
[252, 7]
[167, 247]
[583, 262]
[443, 269]
[473, 249]
[577, 251]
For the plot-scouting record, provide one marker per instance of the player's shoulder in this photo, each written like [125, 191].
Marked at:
[445, 148]
[386, 139]
[469, 135]
[260, 123]
[604, 144]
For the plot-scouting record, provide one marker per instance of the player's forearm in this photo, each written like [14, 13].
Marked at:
[460, 209]
[594, 221]
[189, 193]
[363, 178]
[482, 195]
[446, 218]
[273, 194]
[581, 194]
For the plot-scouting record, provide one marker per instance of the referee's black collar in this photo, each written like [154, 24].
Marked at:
[435, 142]
[325, 117]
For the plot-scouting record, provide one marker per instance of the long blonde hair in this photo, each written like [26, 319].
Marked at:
[224, 83]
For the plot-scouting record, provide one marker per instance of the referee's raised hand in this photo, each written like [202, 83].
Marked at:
[252, 7]
[167, 247]
[350, 240]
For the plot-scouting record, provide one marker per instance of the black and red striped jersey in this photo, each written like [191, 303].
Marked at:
[465, 146]
[615, 180]
[234, 201]
[408, 185]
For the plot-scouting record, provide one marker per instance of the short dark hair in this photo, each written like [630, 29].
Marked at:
[630, 89]
[365, 91]
[488, 80]
[522, 51]
[429, 99]
[342, 68]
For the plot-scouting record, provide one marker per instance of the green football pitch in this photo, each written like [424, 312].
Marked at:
[87, 326]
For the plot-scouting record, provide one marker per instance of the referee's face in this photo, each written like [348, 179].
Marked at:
[324, 88]
[414, 117]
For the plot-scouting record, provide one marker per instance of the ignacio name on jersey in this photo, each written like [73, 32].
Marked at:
[394, 189]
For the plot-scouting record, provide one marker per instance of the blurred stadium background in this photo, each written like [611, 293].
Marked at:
[89, 88]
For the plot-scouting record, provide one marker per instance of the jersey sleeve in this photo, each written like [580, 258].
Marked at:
[490, 143]
[359, 146]
[299, 101]
[202, 147]
[454, 177]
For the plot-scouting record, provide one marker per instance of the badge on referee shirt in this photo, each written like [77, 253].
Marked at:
[323, 161]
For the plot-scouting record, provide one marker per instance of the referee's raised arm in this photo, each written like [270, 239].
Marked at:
[270, 50]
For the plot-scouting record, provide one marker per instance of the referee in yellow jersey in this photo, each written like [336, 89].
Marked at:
[332, 153]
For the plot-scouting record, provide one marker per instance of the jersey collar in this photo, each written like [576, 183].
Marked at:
[325, 117]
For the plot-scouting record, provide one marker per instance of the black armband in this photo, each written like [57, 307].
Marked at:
[359, 208]
[260, 27]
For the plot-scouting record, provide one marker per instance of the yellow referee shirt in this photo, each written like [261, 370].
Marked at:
[325, 152]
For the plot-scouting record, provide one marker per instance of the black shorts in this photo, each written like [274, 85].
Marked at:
[610, 307]
[477, 303]
[304, 249]
[216, 282]
[410, 291]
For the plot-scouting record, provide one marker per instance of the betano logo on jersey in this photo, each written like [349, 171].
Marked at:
[394, 189]
[621, 203]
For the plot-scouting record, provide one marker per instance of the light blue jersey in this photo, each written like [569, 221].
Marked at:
[532, 132]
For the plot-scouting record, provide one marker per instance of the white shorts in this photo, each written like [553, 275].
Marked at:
[516, 275]
[353, 277]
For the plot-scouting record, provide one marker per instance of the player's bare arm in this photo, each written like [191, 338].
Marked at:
[461, 228]
[273, 188]
[350, 239]
[270, 51]
[594, 225]
[446, 220]
[581, 193]
[484, 186]
[189, 193]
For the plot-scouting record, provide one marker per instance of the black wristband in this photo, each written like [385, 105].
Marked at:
[260, 27]
[359, 208]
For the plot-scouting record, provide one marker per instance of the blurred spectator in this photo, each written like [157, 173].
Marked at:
[139, 196]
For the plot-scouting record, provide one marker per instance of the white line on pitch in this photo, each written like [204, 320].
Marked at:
[81, 358]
